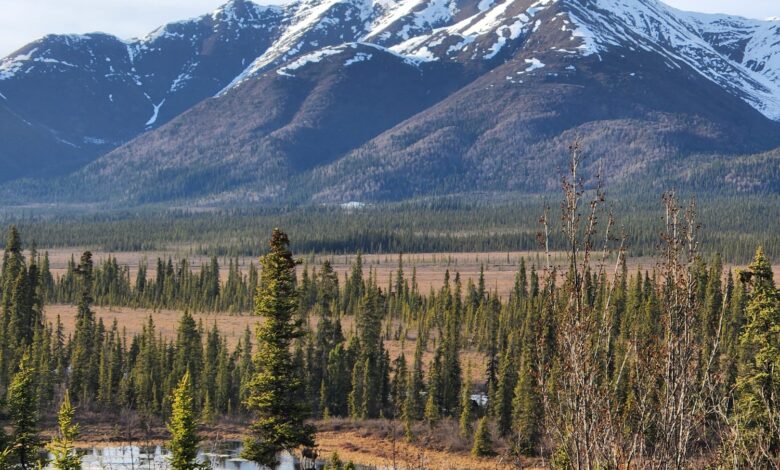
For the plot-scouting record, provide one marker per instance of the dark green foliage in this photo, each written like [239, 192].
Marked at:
[736, 224]
[23, 409]
[274, 388]
[83, 363]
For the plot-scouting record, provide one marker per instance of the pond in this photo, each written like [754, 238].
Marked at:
[133, 457]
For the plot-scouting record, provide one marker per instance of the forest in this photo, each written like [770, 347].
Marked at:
[732, 225]
[591, 366]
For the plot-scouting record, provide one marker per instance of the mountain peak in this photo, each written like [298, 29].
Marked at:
[522, 70]
[236, 10]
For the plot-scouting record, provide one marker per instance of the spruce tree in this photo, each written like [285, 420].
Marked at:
[61, 447]
[83, 377]
[504, 394]
[483, 444]
[183, 428]
[526, 411]
[758, 383]
[280, 417]
[189, 351]
[399, 385]
[23, 408]
[466, 413]
[432, 408]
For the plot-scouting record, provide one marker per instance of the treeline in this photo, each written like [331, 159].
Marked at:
[735, 225]
[171, 285]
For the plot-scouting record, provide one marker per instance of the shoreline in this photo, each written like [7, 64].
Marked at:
[377, 443]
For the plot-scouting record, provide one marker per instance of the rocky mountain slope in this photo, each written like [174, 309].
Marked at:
[338, 100]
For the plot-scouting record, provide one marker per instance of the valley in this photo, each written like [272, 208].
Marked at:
[392, 234]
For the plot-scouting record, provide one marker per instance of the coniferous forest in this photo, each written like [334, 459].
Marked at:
[591, 366]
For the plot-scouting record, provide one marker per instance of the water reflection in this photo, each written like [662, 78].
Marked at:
[155, 458]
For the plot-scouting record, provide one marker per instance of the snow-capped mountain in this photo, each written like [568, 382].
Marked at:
[740, 55]
[499, 85]
[91, 93]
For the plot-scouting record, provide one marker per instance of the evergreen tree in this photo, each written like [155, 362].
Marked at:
[483, 444]
[280, 418]
[23, 408]
[83, 378]
[758, 383]
[414, 405]
[61, 447]
[183, 428]
[189, 351]
[502, 404]
[466, 412]
[526, 412]
[399, 385]
[432, 407]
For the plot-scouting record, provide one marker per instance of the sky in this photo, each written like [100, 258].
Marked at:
[23, 21]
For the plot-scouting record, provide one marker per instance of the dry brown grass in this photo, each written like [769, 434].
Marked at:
[132, 320]
[381, 443]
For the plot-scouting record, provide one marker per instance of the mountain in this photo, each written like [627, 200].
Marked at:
[339, 100]
[92, 93]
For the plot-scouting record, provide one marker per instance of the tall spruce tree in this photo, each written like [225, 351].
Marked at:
[758, 383]
[23, 408]
[280, 423]
[83, 377]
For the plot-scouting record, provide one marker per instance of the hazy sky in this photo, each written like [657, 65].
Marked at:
[22, 21]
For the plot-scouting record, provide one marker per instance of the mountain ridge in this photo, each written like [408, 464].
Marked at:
[645, 83]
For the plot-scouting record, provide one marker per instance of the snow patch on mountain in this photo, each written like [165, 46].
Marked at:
[413, 16]
[493, 21]
[533, 64]
[359, 57]
[307, 59]
[11, 65]
[686, 39]
[306, 15]
[156, 113]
